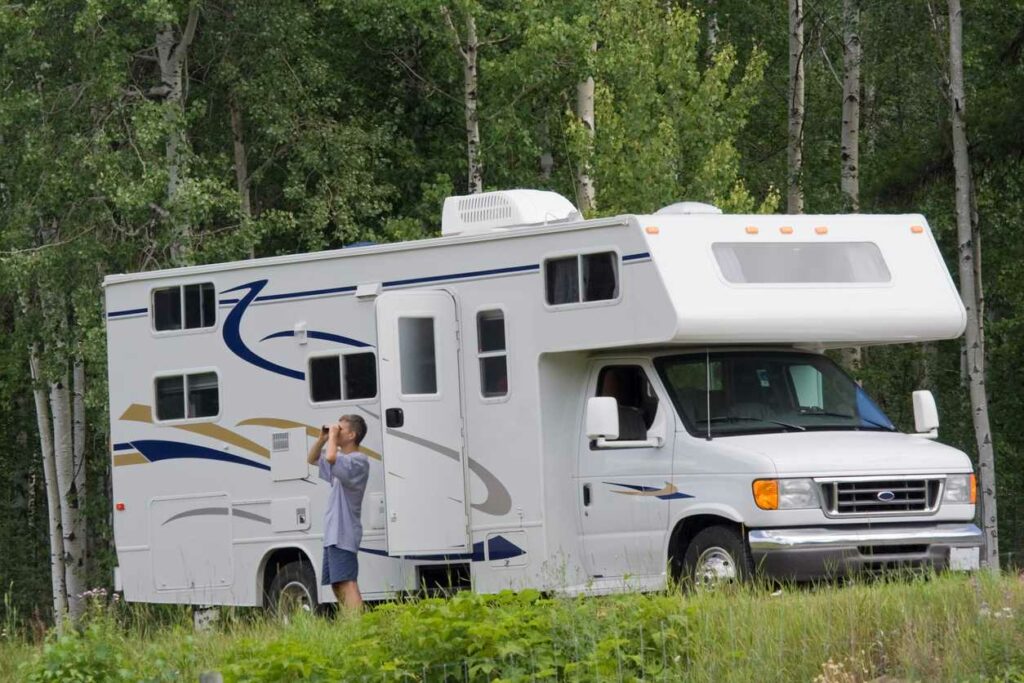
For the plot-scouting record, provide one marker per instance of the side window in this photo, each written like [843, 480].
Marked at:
[638, 403]
[342, 377]
[186, 307]
[417, 356]
[492, 352]
[180, 397]
[583, 278]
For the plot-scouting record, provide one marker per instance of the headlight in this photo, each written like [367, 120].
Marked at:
[960, 488]
[786, 494]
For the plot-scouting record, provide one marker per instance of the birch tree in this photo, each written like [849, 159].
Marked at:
[850, 130]
[585, 194]
[969, 268]
[794, 190]
[467, 50]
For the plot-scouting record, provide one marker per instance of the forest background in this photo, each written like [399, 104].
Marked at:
[143, 135]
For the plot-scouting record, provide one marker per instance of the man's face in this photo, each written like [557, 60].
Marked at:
[346, 434]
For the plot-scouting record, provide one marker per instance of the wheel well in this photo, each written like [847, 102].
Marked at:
[273, 562]
[685, 531]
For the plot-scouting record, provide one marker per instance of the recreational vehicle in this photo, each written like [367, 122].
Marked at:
[557, 403]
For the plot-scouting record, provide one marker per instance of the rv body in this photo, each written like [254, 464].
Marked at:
[475, 359]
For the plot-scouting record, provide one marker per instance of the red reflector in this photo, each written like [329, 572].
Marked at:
[119, 507]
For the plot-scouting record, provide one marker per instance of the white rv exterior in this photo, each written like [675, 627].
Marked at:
[489, 365]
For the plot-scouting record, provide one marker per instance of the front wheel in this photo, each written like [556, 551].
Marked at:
[293, 590]
[715, 556]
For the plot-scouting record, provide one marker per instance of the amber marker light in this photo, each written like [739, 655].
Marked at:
[752, 230]
[766, 493]
[119, 507]
[821, 230]
[917, 229]
[786, 230]
[974, 489]
[652, 229]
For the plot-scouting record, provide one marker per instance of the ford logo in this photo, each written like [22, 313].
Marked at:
[887, 496]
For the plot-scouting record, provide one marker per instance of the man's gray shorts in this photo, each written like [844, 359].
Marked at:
[339, 565]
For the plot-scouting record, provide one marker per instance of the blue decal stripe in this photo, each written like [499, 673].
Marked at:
[126, 312]
[461, 276]
[228, 302]
[123, 446]
[170, 450]
[635, 257]
[499, 548]
[233, 335]
[314, 334]
[311, 292]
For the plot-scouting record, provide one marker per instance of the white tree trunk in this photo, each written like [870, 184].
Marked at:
[712, 28]
[850, 143]
[468, 52]
[585, 192]
[44, 425]
[968, 253]
[70, 512]
[171, 53]
[794, 191]
[78, 422]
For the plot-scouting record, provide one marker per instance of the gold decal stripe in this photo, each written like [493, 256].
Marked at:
[129, 459]
[312, 432]
[141, 413]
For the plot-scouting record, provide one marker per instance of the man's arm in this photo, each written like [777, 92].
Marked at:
[314, 452]
[332, 444]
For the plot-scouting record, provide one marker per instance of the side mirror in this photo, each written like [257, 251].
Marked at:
[926, 415]
[602, 418]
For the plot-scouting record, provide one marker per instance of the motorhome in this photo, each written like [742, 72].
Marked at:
[580, 406]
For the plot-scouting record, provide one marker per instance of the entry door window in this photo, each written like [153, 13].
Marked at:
[417, 356]
[638, 403]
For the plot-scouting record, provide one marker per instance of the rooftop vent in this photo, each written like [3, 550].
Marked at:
[505, 209]
[687, 208]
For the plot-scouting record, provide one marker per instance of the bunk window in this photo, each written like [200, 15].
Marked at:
[342, 377]
[492, 353]
[186, 307]
[801, 262]
[180, 397]
[582, 278]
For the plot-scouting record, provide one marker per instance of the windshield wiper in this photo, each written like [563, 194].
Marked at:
[734, 418]
[825, 413]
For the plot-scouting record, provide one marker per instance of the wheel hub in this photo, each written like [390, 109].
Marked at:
[715, 565]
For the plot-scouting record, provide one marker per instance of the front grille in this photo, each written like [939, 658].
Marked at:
[881, 497]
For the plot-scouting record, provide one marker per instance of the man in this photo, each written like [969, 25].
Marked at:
[347, 469]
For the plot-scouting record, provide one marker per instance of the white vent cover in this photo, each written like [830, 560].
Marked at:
[688, 208]
[505, 209]
[279, 441]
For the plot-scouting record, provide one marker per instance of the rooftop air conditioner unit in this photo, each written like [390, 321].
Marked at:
[487, 211]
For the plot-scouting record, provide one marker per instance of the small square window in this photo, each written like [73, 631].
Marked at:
[583, 278]
[490, 329]
[342, 377]
[180, 397]
[195, 305]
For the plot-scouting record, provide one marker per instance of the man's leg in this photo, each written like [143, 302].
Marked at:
[348, 595]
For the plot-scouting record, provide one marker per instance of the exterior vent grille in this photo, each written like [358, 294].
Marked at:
[279, 441]
[492, 206]
[881, 497]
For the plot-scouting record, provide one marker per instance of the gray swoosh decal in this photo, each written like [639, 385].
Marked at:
[199, 512]
[373, 415]
[498, 501]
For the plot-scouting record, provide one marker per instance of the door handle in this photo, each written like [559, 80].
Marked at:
[394, 417]
[586, 495]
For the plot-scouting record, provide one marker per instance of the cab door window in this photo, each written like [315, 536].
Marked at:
[638, 403]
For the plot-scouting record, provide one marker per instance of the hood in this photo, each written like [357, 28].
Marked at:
[853, 453]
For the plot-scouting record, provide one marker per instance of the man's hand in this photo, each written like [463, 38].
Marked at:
[333, 432]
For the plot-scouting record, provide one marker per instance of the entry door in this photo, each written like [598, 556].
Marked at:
[424, 462]
[625, 494]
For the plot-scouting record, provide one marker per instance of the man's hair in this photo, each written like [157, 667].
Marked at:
[357, 424]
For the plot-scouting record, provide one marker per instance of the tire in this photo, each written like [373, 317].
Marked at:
[293, 589]
[716, 555]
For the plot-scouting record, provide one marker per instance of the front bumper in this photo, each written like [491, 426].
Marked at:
[809, 553]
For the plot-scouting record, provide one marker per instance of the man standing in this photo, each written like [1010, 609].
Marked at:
[347, 469]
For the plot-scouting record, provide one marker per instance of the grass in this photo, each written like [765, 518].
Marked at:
[944, 628]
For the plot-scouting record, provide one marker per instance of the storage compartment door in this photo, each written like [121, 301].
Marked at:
[424, 462]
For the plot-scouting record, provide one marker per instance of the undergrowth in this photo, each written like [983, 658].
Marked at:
[946, 628]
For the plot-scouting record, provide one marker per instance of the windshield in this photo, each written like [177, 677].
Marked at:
[763, 391]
